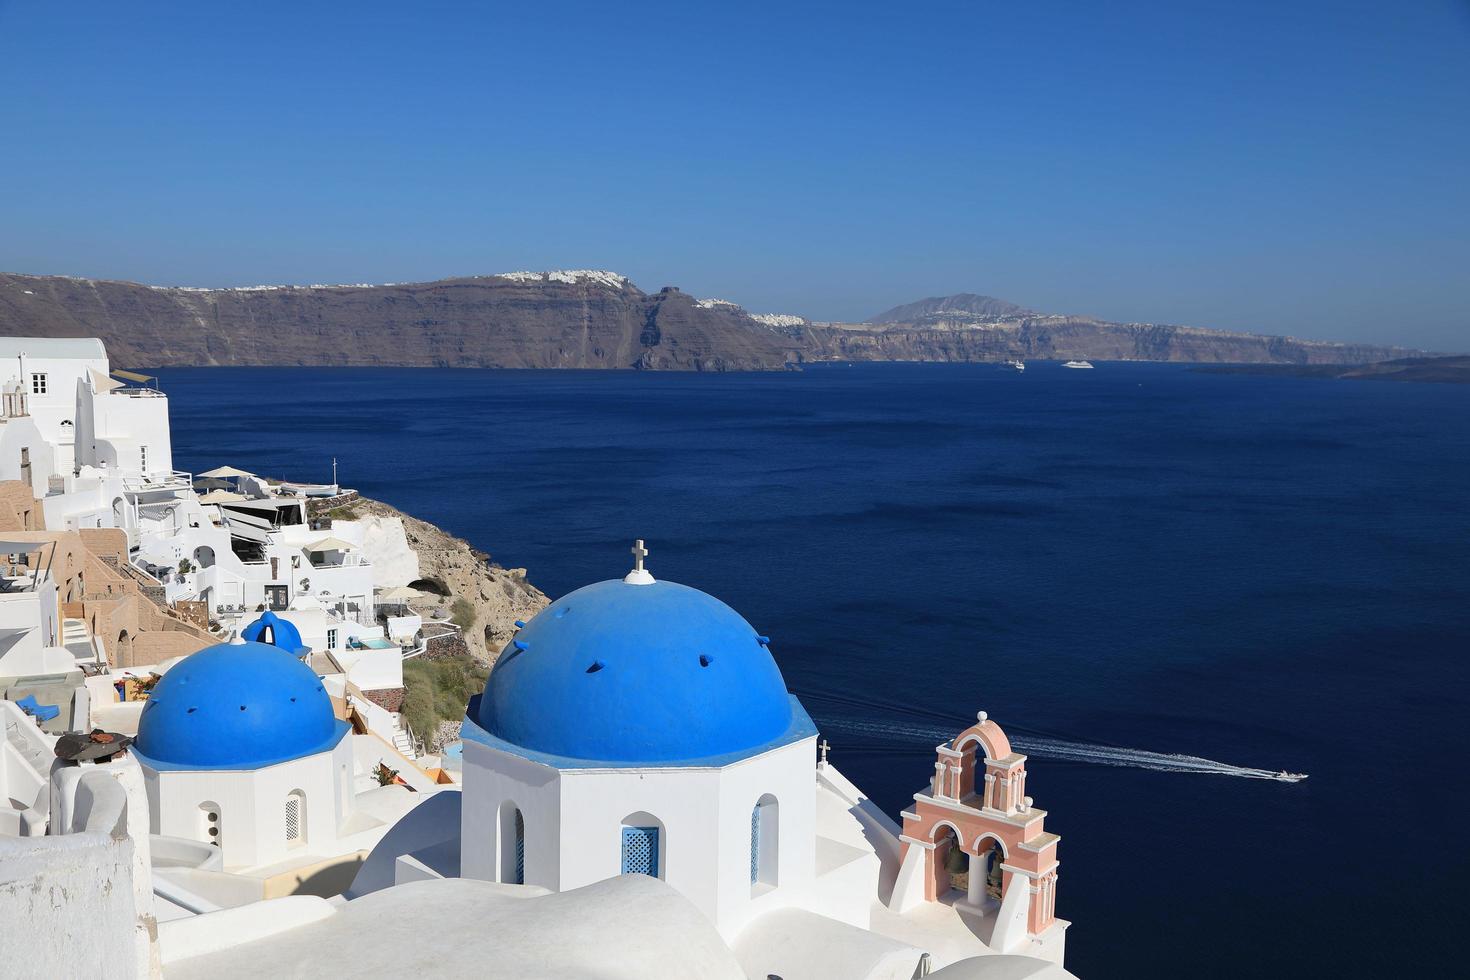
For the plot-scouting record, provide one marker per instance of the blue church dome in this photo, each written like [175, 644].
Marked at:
[637, 673]
[236, 706]
[278, 632]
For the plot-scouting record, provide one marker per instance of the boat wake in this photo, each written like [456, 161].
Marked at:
[1046, 747]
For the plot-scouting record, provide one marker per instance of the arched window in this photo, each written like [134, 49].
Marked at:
[512, 844]
[295, 818]
[765, 829]
[209, 822]
[642, 845]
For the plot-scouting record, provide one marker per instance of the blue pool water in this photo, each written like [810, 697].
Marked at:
[1266, 572]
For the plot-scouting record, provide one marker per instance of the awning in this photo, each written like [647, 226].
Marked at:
[401, 593]
[221, 497]
[133, 376]
[102, 382]
[268, 505]
[9, 638]
[248, 533]
[330, 544]
[221, 472]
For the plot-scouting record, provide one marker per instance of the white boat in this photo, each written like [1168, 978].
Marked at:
[1078, 364]
[1016, 365]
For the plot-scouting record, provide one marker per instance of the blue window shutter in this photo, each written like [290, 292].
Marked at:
[640, 851]
[520, 849]
[755, 844]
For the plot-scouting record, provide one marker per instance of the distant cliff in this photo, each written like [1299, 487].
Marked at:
[584, 319]
[1067, 337]
[1453, 369]
[542, 320]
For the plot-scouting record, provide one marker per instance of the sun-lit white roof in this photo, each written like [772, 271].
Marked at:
[89, 348]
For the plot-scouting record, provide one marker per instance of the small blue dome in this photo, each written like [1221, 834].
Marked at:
[278, 632]
[236, 706]
[636, 673]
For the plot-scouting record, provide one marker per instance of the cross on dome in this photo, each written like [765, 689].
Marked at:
[823, 746]
[639, 575]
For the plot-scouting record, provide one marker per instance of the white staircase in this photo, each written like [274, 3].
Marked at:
[401, 740]
[78, 639]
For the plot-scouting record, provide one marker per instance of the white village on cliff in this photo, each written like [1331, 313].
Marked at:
[207, 772]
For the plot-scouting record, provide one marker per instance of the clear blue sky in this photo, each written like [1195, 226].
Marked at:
[1287, 166]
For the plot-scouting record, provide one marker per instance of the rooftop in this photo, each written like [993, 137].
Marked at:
[78, 347]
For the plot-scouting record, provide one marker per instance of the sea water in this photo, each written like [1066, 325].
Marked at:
[1158, 579]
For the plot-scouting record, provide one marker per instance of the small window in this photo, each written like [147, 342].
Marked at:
[764, 842]
[209, 822]
[520, 878]
[331, 639]
[296, 818]
[512, 844]
[38, 384]
[143, 458]
[640, 851]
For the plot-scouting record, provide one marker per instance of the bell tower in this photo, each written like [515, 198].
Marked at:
[974, 839]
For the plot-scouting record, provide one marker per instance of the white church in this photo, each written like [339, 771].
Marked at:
[639, 795]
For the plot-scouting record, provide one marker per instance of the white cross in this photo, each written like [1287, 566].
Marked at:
[639, 553]
[823, 746]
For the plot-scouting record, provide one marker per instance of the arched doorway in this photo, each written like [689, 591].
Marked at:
[643, 845]
[124, 649]
[951, 864]
[204, 556]
[209, 822]
[765, 841]
[986, 876]
[512, 844]
[295, 818]
[119, 513]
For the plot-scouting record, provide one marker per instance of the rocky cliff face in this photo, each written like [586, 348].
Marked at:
[581, 319]
[584, 319]
[947, 338]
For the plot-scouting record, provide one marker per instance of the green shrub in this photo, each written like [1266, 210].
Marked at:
[462, 614]
[438, 690]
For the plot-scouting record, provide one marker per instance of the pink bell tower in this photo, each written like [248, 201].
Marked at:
[974, 840]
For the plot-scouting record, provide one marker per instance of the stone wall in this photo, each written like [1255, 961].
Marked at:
[387, 698]
[19, 510]
[445, 647]
[113, 603]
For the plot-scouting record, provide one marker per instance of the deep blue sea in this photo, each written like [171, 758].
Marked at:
[1269, 572]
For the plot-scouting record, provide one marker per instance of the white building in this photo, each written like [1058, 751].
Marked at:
[642, 727]
[639, 727]
[242, 753]
[39, 377]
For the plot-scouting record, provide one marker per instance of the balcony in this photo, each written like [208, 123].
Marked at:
[172, 480]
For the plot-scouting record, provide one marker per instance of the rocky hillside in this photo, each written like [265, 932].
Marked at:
[949, 338]
[586, 319]
[963, 304]
[582, 319]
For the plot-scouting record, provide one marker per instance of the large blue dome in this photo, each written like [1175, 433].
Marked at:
[236, 706]
[619, 672]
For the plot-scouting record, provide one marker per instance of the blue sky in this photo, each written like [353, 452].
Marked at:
[1288, 167]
